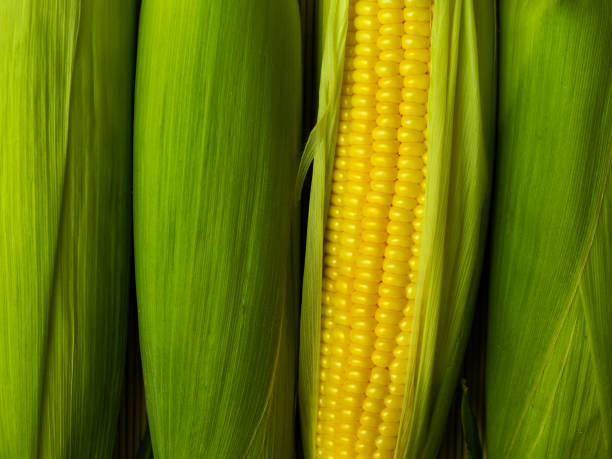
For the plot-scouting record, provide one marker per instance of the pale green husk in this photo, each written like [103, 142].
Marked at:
[217, 126]
[460, 127]
[66, 83]
[319, 151]
[549, 371]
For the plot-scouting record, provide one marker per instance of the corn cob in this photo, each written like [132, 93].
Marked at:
[389, 287]
[217, 127]
[549, 370]
[66, 79]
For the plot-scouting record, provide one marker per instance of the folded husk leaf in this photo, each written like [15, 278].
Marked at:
[217, 129]
[66, 86]
[549, 371]
[460, 131]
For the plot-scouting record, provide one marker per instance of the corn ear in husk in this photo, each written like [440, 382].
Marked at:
[460, 129]
[549, 371]
[217, 126]
[66, 83]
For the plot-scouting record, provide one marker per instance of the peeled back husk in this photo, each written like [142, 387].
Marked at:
[460, 129]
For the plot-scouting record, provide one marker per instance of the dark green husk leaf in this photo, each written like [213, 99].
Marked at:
[469, 424]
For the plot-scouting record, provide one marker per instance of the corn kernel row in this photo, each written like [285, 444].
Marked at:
[374, 227]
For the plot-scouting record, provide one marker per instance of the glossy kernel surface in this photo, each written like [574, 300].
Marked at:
[374, 224]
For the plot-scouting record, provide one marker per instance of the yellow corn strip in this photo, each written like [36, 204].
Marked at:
[373, 234]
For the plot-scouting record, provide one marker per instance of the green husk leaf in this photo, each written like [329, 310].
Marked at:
[319, 153]
[66, 86]
[549, 372]
[461, 113]
[217, 129]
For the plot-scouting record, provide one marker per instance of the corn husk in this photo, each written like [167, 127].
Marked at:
[549, 372]
[66, 82]
[460, 131]
[217, 128]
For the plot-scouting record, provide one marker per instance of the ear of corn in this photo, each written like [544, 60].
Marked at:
[549, 370]
[401, 172]
[217, 125]
[66, 79]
